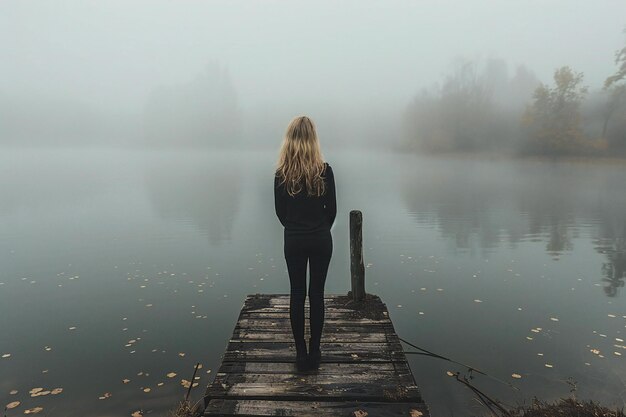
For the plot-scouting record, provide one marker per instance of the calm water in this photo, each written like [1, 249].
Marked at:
[113, 264]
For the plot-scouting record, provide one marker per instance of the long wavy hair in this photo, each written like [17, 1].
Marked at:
[300, 160]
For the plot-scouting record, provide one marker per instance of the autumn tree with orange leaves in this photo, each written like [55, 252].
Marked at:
[553, 120]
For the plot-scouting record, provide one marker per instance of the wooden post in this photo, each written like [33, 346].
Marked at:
[357, 270]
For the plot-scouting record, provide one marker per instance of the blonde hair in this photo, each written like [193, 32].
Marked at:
[300, 158]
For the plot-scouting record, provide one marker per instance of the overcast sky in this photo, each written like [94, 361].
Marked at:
[112, 53]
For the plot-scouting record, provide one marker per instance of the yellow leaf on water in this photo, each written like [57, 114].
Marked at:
[416, 413]
[125, 381]
[449, 373]
[56, 391]
[360, 413]
[147, 390]
[171, 375]
[6, 355]
[185, 383]
[136, 414]
[12, 405]
[516, 376]
[33, 410]
[13, 392]
[35, 391]
[548, 365]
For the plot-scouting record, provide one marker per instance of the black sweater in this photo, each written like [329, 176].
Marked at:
[303, 214]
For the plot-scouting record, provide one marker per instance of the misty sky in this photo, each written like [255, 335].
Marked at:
[113, 53]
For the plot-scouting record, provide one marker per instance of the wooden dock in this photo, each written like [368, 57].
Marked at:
[363, 371]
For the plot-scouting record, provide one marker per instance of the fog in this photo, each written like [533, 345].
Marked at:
[154, 73]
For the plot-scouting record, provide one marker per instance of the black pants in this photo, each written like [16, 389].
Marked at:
[316, 249]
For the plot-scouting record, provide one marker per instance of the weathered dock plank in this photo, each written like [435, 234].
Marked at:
[363, 367]
[255, 408]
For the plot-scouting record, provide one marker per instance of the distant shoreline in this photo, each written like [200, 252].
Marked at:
[619, 160]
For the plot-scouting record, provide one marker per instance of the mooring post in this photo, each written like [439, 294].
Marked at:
[357, 270]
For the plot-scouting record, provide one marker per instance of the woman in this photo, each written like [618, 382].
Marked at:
[304, 197]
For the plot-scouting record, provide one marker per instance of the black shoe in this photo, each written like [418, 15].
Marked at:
[302, 357]
[302, 362]
[315, 355]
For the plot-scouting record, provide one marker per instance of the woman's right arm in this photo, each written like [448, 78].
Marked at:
[331, 196]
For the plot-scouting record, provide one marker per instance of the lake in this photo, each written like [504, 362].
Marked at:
[119, 267]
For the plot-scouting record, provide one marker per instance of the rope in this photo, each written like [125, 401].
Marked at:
[425, 352]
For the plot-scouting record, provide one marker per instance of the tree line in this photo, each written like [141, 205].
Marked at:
[479, 107]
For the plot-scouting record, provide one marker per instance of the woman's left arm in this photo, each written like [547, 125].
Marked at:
[279, 204]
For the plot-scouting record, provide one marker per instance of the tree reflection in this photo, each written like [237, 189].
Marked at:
[614, 269]
[487, 203]
[201, 188]
[484, 203]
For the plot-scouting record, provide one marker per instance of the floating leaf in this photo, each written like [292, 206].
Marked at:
[136, 414]
[34, 410]
[125, 381]
[181, 354]
[13, 392]
[449, 373]
[56, 391]
[171, 375]
[478, 301]
[6, 355]
[416, 413]
[360, 413]
[35, 391]
[105, 396]
[516, 376]
[147, 390]
[547, 365]
[12, 405]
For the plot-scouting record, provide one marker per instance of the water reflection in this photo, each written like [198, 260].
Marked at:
[478, 205]
[201, 188]
[47, 180]
[614, 269]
